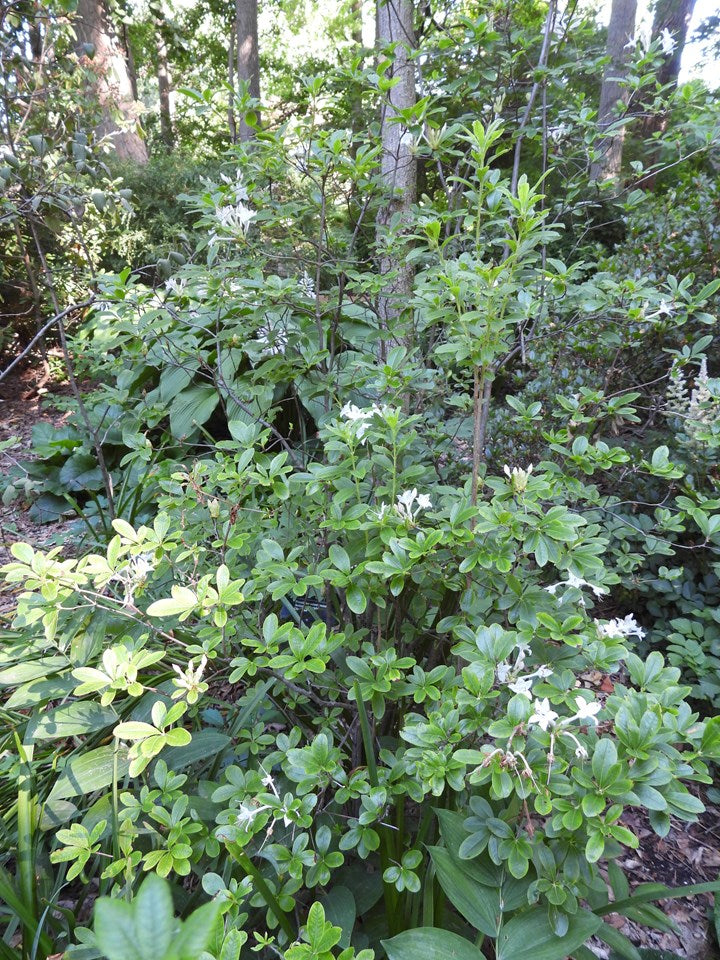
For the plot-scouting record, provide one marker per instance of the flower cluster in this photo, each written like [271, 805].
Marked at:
[235, 218]
[574, 581]
[621, 627]
[360, 418]
[510, 673]
[699, 411]
[518, 477]
[133, 575]
[408, 506]
[189, 681]
[549, 721]
[306, 285]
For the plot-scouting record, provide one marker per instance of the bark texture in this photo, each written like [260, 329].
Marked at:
[399, 166]
[113, 86]
[673, 16]
[613, 93]
[163, 80]
[247, 63]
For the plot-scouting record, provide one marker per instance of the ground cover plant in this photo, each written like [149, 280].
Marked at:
[393, 592]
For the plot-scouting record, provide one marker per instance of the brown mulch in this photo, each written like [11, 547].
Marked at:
[689, 854]
[25, 399]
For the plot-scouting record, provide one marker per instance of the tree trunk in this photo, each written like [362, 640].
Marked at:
[247, 62]
[613, 93]
[113, 86]
[231, 84]
[398, 167]
[163, 80]
[673, 16]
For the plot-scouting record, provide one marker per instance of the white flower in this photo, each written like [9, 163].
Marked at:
[274, 338]
[239, 188]
[383, 510]
[522, 685]
[188, 681]
[667, 42]
[586, 710]
[235, 218]
[134, 575]
[625, 627]
[175, 285]
[503, 671]
[518, 477]
[360, 417]
[631, 44]
[559, 132]
[306, 285]
[664, 307]
[577, 582]
[544, 715]
[406, 508]
[581, 753]
[247, 813]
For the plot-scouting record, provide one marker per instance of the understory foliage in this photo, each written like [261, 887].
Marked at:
[315, 682]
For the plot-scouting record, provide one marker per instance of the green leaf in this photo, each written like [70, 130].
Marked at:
[430, 943]
[196, 933]
[71, 720]
[115, 930]
[154, 918]
[81, 472]
[32, 670]
[618, 941]
[205, 744]
[339, 557]
[479, 904]
[192, 408]
[89, 772]
[356, 599]
[530, 936]
[40, 691]
[340, 910]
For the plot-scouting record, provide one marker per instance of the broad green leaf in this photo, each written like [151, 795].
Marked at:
[81, 472]
[195, 934]
[530, 936]
[429, 943]
[33, 670]
[204, 745]
[40, 691]
[154, 918]
[115, 930]
[89, 772]
[191, 408]
[70, 720]
[479, 904]
[356, 599]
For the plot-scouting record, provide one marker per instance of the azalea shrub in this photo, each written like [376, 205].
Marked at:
[326, 661]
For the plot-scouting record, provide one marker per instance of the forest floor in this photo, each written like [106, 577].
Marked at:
[689, 854]
[24, 401]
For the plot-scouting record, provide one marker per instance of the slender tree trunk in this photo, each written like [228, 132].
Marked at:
[673, 16]
[247, 60]
[113, 86]
[398, 168]
[613, 93]
[231, 84]
[356, 11]
[163, 80]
